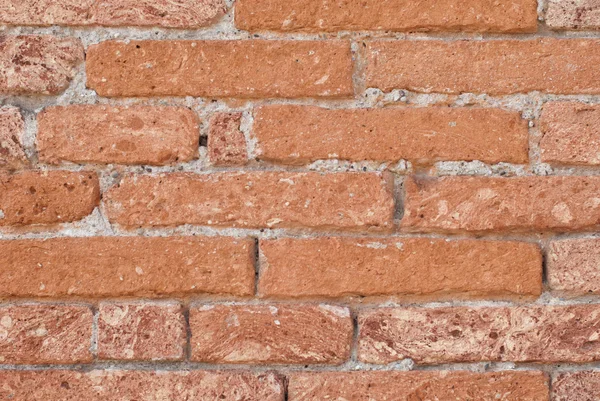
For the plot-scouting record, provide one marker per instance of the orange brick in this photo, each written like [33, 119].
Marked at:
[574, 266]
[12, 128]
[569, 15]
[226, 141]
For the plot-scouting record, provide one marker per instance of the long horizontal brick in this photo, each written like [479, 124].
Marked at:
[47, 197]
[125, 385]
[565, 203]
[216, 68]
[45, 334]
[495, 67]
[461, 334]
[435, 268]
[120, 135]
[568, 15]
[574, 266]
[389, 15]
[38, 64]
[12, 128]
[576, 386]
[126, 266]
[253, 200]
[280, 334]
[294, 134]
[571, 133]
[413, 386]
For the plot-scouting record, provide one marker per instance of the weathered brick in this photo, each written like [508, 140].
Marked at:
[413, 386]
[216, 68]
[495, 67]
[122, 135]
[574, 266]
[12, 128]
[141, 331]
[570, 133]
[126, 266]
[576, 386]
[47, 197]
[45, 334]
[580, 14]
[125, 385]
[461, 334]
[226, 142]
[294, 134]
[565, 203]
[253, 200]
[389, 15]
[280, 334]
[335, 267]
[38, 64]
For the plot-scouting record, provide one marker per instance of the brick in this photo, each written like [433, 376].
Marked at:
[576, 386]
[45, 334]
[217, 68]
[560, 203]
[168, 14]
[345, 201]
[275, 334]
[389, 15]
[226, 141]
[426, 267]
[495, 67]
[12, 128]
[125, 385]
[574, 266]
[47, 197]
[38, 64]
[545, 334]
[134, 331]
[412, 386]
[126, 266]
[570, 133]
[294, 134]
[120, 135]
[570, 15]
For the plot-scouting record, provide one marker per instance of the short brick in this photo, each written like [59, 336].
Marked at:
[576, 386]
[547, 334]
[226, 141]
[47, 197]
[294, 134]
[38, 64]
[389, 15]
[141, 331]
[435, 268]
[216, 68]
[567, 15]
[495, 67]
[413, 386]
[562, 203]
[279, 334]
[45, 334]
[121, 135]
[345, 201]
[126, 266]
[12, 128]
[574, 266]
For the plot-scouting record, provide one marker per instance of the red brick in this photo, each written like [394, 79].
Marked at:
[389, 15]
[576, 386]
[126, 266]
[276, 334]
[580, 14]
[226, 142]
[216, 68]
[495, 67]
[574, 266]
[135, 331]
[47, 197]
[38, 64]
[427, 267]
[562, 203]
[547, 334]
[253, 200]
[12, 128]
[45, 334]
[126, 385]
[121, 135]
[294, 134]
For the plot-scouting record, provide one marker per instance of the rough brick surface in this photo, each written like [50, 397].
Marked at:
[226, 142]
[574, 266]
[45, 334]
[141, 331]
[122, 135]
[242, 68]
[126, 266]
[254, 199]
[12, 128]
[278, 334]
[335, 267]
[576, 386]
[579, 14]
[38, 64]
[294, 134]
[496, 67]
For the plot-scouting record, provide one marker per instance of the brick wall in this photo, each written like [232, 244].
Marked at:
[299, 200]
